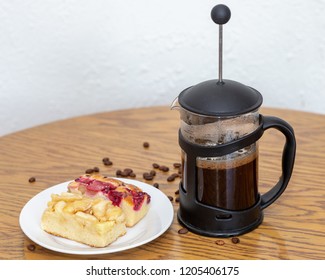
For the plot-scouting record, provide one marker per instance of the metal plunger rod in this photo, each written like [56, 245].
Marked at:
[220, 53]
[220, 14]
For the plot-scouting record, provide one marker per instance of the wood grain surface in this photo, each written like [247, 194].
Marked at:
[293, 227]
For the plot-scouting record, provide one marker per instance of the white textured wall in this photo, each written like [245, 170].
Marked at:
[60, 59]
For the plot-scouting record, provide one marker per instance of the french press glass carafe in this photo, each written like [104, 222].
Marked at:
[219, 132]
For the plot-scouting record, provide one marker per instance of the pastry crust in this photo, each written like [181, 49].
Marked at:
[92, 221]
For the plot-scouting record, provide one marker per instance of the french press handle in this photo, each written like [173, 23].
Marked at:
[288, 158]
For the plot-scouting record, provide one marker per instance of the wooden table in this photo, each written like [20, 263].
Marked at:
[293, 227]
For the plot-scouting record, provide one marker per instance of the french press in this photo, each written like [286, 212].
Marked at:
[219, 132]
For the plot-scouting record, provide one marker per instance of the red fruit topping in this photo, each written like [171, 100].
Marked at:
[128, 190]
[95, 186]
[84, 180]
[98, 186]
[138, 199]
[115, 197]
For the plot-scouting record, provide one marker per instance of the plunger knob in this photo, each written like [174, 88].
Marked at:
[220, 14]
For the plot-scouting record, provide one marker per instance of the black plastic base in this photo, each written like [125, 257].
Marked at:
[212, 221]
[222, 233]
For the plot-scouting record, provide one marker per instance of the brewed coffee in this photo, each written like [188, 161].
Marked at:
[229, 185]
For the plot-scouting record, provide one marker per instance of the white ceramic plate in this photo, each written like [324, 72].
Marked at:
[155, 223]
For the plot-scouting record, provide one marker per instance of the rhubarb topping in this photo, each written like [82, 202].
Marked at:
[109, 190]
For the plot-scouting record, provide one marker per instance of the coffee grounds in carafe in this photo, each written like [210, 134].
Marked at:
[229, 185]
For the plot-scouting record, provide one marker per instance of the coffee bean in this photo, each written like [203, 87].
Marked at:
[220, 242]
[132, 175]
[235, 240]
[177, 192]
[170, 178]
[156, 185]
[155, 165]
[89, 171]
[147, 176]
[163, 168]
[170, 198]
[177, 199]
[153, 172]
[128, 171]
[183, 231]
[31, 179]
[124, 174]
[118, 172]
[31, 247]
[96, 169]
[177, 165]
[146, 145]
[108, 163]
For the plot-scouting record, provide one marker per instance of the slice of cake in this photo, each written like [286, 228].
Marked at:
[93, 221]
[131, 199]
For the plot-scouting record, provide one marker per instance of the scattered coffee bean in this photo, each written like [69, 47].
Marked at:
[31, 179]
[170, 178]
[155, 165]
[147, 176]
[235, 240]
[146, 145]
[177, 199]
[170, 198]
[183, 231]
[153, 172]
[107, 162]
[177, 192]
[164, 168]
[128, 171]
[177, 165]
[96, 169]
[156, 185]
[124, 173]
[220, 242]
[89, 171]
[31, 247]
